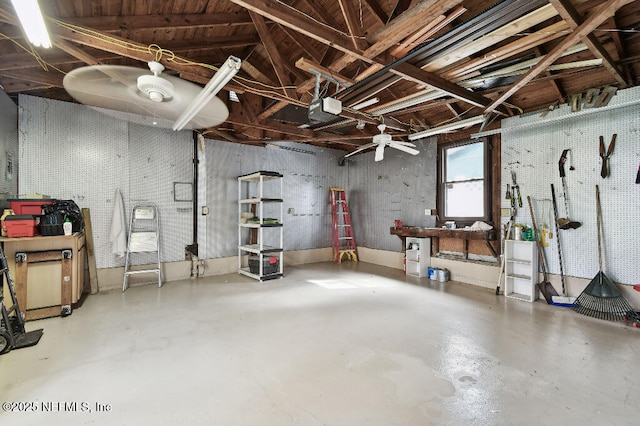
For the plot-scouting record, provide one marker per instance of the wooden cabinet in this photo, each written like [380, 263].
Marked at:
[521, 270]
[48, 272]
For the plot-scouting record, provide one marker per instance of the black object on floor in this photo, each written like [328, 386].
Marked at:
[12, 331]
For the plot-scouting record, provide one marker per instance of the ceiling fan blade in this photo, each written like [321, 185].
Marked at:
[403, 148]
[362, 148]
[403, 143]
[379, 152]
[113, 87]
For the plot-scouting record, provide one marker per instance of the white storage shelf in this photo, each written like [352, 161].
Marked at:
[417, 256]
[521, 270]
[261, 192]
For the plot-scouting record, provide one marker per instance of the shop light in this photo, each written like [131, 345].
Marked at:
[32, 22]
[217, 82]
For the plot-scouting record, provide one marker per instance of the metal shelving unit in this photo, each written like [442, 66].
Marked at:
[260, 228]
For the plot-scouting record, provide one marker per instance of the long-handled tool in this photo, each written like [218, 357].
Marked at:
[545, 287]
[515, 189]
[638, 175]
[565, 222]
[601, 299]
[604, 172]
[563, 300]
[507, 234]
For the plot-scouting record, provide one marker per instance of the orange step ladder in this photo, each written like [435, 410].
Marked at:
[342, 233]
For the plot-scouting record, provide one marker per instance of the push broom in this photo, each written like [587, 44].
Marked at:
[601, 299]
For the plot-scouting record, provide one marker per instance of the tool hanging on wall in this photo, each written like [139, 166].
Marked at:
[638, 175]
[563, 300]
[515, 190]
[565, 222]
[509, 196]
[604, 172]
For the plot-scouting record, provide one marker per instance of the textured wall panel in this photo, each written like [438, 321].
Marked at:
[70, 151]
[533, 152]
[308, 173]
[401, 186]
[8, 147]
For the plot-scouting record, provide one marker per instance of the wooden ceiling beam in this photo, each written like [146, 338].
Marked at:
[555, 85]
[350, 16]
[470, 68]
[620, 48]
[384, 39]
[308, 65]
[111, 24]
[573, 18]
[377, 11]
[26, 60]
[504, 32]
[599, 15]
[277, 62]
[303, 43]
[37, 76]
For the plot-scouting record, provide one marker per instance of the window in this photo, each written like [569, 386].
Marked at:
[464, 182]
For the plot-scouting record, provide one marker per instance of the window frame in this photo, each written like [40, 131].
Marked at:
[487, 198]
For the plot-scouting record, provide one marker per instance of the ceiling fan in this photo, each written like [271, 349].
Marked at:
[381, 141]
[165, 98]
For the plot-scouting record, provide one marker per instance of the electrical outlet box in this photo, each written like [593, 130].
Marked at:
[205, 210]
[427, 212]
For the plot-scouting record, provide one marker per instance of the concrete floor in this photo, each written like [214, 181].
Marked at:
[355, 344]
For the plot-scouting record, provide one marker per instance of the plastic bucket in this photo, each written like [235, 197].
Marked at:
[432, 273]
[443, 275]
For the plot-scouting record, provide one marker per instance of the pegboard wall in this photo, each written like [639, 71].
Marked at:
[401, 186]
[308, 173]
[532, 147]
[70, 151]
[8, 147]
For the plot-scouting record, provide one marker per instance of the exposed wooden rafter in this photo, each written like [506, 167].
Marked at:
[573, 18]
[599, 15]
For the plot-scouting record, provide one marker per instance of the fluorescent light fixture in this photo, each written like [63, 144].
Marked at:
[217, 82]
[407, 103]
[365, 104]
[447, 127]
[32, 22]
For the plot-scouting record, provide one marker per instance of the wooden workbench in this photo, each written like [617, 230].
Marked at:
[436, 233]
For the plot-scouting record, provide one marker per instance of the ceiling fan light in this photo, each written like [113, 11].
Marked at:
[156, 96]
[155, 88]
[32, 22]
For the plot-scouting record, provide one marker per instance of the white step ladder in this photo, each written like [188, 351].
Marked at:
[144, 237]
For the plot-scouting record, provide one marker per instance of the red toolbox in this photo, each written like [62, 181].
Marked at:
[28, 205]
[21, 225]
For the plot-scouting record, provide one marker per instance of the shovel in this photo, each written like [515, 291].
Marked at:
[545, 287]
[565, 222]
